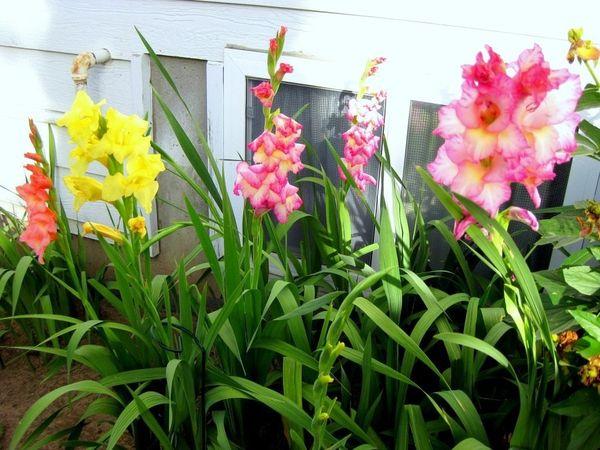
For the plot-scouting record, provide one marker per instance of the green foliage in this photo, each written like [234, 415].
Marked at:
[334, 347]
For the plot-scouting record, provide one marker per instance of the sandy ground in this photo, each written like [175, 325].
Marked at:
[23, 382]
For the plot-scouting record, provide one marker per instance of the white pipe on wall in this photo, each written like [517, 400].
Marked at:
[83, 62]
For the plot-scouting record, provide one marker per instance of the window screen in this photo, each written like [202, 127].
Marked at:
[421, 148]
[324, 117]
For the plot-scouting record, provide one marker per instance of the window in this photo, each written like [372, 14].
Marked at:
[324, 118]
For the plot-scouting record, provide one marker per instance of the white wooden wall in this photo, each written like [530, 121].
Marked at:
[425, 41]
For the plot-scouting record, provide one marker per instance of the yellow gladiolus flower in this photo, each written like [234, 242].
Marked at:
[84, 189]
[82, 120]
[147, 165]
[144, 190]
[81, 157]
[125, 135]
[137, 225]
[103, 230]
[114, 187]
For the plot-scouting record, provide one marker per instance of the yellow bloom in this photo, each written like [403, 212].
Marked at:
[114, 187]
[103, 230]
[82, 120]
[137, 225]
[82, 156]
[125, 135]
[145, 165]
[583, 50]
[84, 189]
[143, 189]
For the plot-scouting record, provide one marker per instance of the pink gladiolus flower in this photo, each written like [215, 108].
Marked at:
[289, 202]
[534, 76]
[506, 129]
[365, 111]
[266, 191]
[523, 215]
[360, 141]
[286, 128]
[265, 93]
[276, 153]
[360, 177]
[460, 226]
[283, 69]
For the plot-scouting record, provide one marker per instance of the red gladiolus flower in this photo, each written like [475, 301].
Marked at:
[273, 46]
[34, 157]
[41, 229]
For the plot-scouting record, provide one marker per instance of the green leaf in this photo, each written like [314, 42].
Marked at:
[131, 412]
[388, 259]
[479, 345]
[20, 274]
[590, 98]
[470, 444]
[589, 322]
[418, 428]
[582, 278]
[396, 333]
[462, 405]
[583, 402]
[87, 386]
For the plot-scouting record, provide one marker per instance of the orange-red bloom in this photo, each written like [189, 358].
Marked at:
[41, 227]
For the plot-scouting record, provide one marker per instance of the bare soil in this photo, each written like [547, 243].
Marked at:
[23, 382]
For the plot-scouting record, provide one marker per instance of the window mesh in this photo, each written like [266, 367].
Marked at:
[421, 148]
[323, 118]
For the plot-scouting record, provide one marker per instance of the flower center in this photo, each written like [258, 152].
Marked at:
[489, 112]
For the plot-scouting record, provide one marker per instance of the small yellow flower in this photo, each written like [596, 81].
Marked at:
[590, 373]
[103, 230]
[125, 135]
[137, 225]
[84, 189]
[82, 120]
[583, 50]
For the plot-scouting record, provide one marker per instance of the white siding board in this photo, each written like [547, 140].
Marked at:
[34, 82]
[512, 16]
[202, 30]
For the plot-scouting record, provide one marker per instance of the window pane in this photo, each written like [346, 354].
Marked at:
[421, 148]
[324, 118]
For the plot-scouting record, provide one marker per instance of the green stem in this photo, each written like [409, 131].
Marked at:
[593, 74]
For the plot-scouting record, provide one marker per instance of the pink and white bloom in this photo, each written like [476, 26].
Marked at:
[276, 152]
[360, 141]
[522, 215]
[506, 129]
